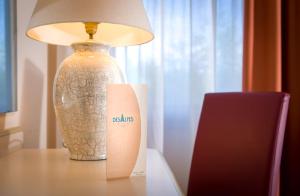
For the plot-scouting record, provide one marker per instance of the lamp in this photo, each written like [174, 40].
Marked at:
[91, 28]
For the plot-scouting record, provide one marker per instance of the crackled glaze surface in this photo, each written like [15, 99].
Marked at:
[80, 99]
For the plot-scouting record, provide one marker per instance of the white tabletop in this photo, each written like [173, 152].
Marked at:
[50, 172]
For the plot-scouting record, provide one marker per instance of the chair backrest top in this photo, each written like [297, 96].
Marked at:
[238, 144]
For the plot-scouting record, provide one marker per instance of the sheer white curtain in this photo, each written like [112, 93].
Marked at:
[197, 49]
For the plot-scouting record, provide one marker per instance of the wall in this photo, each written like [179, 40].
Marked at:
[32, 81]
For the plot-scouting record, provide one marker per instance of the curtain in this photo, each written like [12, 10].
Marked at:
[271, 63]
[197, 49]
[7, 61]
[262, 45]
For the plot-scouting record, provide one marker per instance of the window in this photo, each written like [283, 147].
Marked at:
[7, 57]
[197, 49]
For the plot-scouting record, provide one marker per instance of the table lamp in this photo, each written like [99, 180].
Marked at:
[91, 27]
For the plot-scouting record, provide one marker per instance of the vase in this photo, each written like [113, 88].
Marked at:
[80, 99]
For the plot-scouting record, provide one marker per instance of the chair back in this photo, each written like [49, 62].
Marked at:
[238, 144]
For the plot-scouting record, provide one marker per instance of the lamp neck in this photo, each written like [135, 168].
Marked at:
[90, 47]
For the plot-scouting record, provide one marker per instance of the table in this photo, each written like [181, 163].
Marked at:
[50, 172]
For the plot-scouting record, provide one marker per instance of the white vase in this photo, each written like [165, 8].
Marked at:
[80, 99]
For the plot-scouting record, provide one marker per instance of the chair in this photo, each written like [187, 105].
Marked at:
[238, 145]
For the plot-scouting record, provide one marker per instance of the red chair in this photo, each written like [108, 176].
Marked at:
[238, 145]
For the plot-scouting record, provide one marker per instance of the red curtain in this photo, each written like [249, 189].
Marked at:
[262, 45]
[271, 62]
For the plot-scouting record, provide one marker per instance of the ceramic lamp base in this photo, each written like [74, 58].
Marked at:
[80, 99]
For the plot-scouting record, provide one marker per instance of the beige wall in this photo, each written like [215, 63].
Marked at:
[32, 81]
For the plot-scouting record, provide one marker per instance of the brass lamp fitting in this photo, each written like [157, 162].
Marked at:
[91, 28]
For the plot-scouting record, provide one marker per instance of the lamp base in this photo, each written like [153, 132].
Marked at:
[79, 157]
[80, 99]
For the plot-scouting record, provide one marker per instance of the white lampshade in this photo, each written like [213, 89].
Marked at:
[61, 22]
